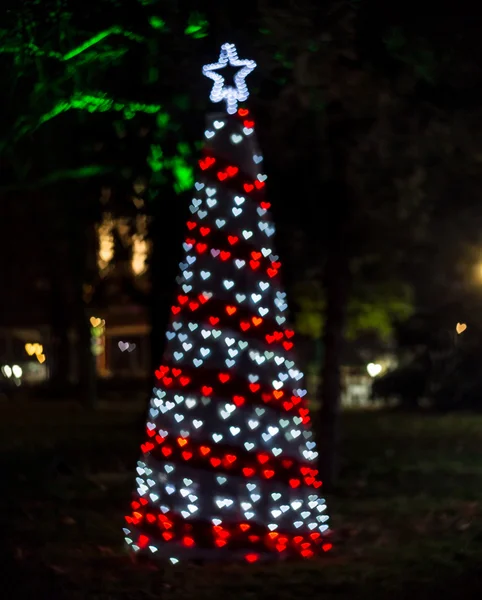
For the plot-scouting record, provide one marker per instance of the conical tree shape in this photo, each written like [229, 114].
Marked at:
[228, 467]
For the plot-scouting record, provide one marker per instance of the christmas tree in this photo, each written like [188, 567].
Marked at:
[228, 468]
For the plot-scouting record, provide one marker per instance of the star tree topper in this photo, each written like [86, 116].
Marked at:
[232, 95]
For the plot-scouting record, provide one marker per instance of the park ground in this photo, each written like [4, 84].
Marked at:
[406, 519]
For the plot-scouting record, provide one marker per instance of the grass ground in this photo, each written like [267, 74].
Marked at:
[407, 516]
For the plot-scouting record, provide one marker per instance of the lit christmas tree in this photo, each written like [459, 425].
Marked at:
[228, 468]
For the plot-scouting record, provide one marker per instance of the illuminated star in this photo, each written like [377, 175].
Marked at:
[232, 95]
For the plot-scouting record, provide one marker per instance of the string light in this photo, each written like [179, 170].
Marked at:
[229, 460]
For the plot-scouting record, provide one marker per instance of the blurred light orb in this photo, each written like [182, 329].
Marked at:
[7, 371]
[17, 371]
[374, 369]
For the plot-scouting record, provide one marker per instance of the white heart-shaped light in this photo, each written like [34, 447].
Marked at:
[374, 369]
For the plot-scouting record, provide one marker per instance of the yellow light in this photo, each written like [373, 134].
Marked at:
[32, 349]
[140, 250]
[41, 358]
[138, 202]
[478, 271]
[95, 321]
[460, 328]
[106, 242]
[140, 246]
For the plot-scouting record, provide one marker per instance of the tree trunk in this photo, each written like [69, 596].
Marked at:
[79, 227]
[59, 350]
[336, 282]
[86, 358]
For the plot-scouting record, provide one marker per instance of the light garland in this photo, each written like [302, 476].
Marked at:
[231, 95]
[228, 466]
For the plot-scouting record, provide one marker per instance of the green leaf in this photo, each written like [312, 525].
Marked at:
[197, 26]
[158, 23]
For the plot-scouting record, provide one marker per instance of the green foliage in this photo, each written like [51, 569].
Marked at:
[70, 83]
[162, 120]
[310, 302]
[197, 26]
[155, 160]
[377, 308]
[372, 308]
[183, 149]
[157, 23]
[99, 37]
[183, 173]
